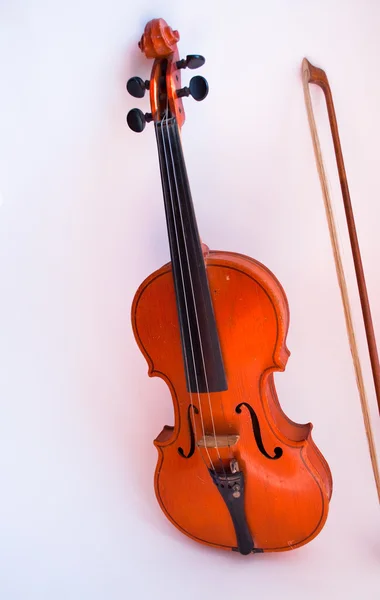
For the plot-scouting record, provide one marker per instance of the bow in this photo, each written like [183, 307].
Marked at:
[312, 74]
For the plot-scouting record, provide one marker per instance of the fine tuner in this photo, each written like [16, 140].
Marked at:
[197, 89]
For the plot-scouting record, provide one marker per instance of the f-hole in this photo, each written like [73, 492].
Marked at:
[278, 452]
[191, 432]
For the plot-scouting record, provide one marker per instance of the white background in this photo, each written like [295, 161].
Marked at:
[82, 224]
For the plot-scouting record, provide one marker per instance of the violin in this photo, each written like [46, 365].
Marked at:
[233, 472]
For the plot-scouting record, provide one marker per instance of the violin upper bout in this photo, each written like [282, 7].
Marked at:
[158, 39]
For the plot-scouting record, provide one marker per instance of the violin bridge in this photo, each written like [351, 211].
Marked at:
[218, 441]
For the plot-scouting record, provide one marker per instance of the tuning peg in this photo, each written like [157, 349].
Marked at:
[137, 87]
[198, 89]
[192, 61]
[137, 120]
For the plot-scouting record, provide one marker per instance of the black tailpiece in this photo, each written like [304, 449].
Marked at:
[231, 488]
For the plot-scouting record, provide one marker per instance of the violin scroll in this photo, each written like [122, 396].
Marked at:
[159, 41]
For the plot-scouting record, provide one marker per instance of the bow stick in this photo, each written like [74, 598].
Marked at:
[317, 76]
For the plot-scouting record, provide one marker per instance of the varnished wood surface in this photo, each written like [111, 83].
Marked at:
[158, 39]
[287, 499]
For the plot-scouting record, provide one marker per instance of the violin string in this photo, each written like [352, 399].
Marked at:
[160, 126]
[185, 355]
[194, 303]
[187, 313]
[192, 415]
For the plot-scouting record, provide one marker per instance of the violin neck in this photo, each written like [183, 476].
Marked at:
[202, 355]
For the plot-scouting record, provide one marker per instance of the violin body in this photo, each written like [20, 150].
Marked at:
[233, 471]
[286, 499]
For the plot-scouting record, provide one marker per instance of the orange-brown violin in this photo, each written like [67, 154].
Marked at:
[234, 472]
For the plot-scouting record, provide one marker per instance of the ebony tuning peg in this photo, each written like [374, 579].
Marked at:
[198, 89]
[192, 61]
[137, 120]
[137, 87]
